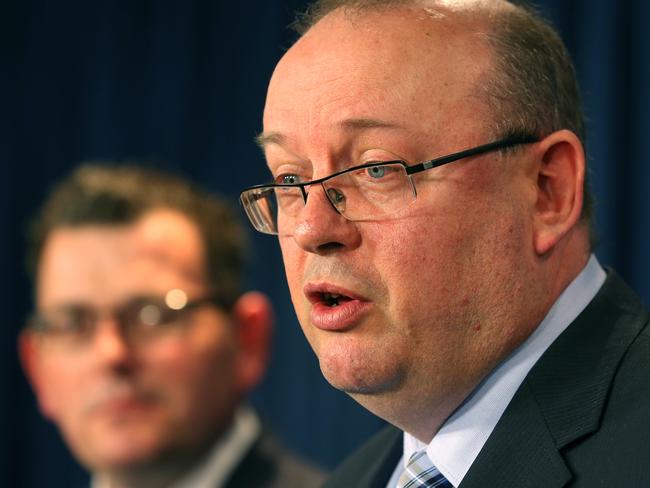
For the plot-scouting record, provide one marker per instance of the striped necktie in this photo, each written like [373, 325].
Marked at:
[421, 473]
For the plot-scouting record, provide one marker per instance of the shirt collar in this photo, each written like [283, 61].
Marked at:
[222, 459]
[458, 442]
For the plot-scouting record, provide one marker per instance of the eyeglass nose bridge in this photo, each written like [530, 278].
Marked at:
[338, 198]
[101, 319]
[112, 334]
[335, 197]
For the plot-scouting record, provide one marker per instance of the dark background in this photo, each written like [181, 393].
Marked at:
[182, 84]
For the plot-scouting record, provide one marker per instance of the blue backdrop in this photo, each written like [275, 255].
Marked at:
[183, 84]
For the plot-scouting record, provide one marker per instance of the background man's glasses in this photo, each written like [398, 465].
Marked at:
[366, 192]
[140, 320]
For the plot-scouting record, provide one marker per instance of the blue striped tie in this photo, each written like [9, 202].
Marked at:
[421, 473]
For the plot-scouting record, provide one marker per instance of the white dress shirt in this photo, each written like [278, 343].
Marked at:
[460, 439]
[222, 459]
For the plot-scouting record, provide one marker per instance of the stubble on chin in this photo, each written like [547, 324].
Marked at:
[360, 369]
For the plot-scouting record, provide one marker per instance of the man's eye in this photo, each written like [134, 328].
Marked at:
[377, 172]
[65, 321]
[288, 179]
[146, 313]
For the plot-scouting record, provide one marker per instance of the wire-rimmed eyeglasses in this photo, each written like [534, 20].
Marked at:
[367, 192]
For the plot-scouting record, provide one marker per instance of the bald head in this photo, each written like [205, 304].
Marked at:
[351, 55]
[321, 8]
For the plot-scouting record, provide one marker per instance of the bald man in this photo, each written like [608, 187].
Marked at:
[431, 204]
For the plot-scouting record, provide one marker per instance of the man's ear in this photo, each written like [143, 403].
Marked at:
[560, 186]
[253, 317]
[29, 354]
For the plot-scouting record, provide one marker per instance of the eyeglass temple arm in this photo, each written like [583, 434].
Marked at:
[491, 146]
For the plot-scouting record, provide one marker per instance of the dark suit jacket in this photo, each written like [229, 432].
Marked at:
[580, 419]
[269, 465]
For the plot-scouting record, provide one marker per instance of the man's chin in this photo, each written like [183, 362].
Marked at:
[125, 457]
[121, 449]
[364, 380]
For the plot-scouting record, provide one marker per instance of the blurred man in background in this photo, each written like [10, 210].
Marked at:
[142, 348]
[431, 205]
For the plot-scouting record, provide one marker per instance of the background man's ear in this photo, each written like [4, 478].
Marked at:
[253, 317]
[560, 183]
[29, 354]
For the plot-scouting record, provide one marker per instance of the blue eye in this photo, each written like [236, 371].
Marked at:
[288, 179]
[377, 172]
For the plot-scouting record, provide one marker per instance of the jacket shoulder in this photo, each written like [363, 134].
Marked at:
[372, 464]
[270, 465]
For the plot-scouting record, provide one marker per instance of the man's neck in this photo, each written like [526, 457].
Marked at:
[163, 473]
[209, 466]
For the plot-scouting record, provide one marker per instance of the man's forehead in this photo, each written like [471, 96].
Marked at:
[389, 39]
[368, 72]
[162, 244]
[349, 125]
[171, 239]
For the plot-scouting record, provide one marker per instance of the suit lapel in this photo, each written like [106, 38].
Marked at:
[520, 453]
[373, 465]
[563, 397]
[380, 473]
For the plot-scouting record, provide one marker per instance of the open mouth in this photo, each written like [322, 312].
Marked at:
[328, 296]
[335, 308]
[333, 299]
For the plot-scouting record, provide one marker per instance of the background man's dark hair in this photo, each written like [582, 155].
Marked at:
[120, 195]
[533, 88]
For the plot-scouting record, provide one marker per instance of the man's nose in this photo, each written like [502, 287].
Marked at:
[321, 229]
[110, 343]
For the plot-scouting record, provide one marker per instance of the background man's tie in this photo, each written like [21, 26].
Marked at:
[421, 473]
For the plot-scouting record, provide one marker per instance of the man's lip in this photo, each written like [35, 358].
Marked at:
[314, 292]
[120, 397]
[344, 316]
[122, 404]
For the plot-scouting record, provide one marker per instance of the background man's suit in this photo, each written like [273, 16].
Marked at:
[268, 465]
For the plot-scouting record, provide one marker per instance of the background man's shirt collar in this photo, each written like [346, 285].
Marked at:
[222, 459]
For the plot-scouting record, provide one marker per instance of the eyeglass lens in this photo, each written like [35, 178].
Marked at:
[364, 193]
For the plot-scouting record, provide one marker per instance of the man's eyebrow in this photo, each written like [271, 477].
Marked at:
[357, 124]
[266, 138]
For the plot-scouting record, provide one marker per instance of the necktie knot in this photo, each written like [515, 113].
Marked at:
[421, 473]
